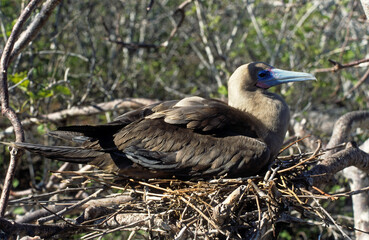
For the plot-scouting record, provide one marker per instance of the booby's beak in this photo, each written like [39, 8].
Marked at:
[275, 76]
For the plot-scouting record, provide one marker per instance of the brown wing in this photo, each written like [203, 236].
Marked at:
[142, 112]
[211, 116]
[178, 151]
[195, 137]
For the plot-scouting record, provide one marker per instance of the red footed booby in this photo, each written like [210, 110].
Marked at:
[191, 138]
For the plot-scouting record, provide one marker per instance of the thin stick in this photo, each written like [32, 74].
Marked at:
[298, 164]
[294, 142]
[200, 212]
[331, 219]
[67, 209]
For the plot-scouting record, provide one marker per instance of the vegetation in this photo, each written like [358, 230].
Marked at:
[93, 51]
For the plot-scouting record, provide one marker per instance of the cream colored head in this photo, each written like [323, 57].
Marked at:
[247, 91]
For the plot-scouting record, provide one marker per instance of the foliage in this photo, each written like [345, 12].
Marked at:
[74, 61]
[73, 46]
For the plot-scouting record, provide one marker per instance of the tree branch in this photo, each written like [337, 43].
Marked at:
[129, 103]
[344, 126]
[11, 49]
[356, 86]
[137, 45]
[34, 28]
[45, 231]
[4, 98]
[350, 156]
[365, 4]
[339, 66]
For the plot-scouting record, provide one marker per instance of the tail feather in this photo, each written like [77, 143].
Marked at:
[70, 136]
[92, 131]
[83, 133]
[62, 153]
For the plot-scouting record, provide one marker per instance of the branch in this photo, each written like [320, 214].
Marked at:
[40, 213]
[135, 46]
[204, 38]
[45, 231]
[365, 4]
[180, 10]
[222, 211]
[69, 208]
[344, 126]
[339, 66]
[129, 103]
[4, 99]
[336, 160]
[34, 28]
[125, 221]
[350, 156]
[11, 49]
[149, 6]
[357, 85]
[260, 35]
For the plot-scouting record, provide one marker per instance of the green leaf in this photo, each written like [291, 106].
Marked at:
[223, 90]
[15, 183]
[193, 90]
[18, 211]
[43, 93]
[31, 95]
[285, 235]
[20, 78]
[41, 129]
[63, 90]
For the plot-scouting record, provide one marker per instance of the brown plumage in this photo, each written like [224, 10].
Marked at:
[190, 138]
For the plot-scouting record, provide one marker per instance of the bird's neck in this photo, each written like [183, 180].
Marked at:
[270, 109]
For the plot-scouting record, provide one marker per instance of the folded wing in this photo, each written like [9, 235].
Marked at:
[194, 137]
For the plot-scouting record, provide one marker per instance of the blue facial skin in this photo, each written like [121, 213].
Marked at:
[274, 76]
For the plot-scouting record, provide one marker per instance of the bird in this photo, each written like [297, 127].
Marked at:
[192, 138]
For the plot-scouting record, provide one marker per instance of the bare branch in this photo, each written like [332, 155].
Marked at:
[34, 28]
[149, 6]
[351, 156]
[4, 98]
[359, 181]
[69, 208]
[365, 4]
[204, 38]
[357, 85]
[11, 49]
[181, 11]
[137, 45]
[344, 126]
[222, 210]
[256, 25]
[44, 231]
[339, 66]
[128, 103]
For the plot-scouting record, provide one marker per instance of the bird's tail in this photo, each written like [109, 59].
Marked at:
[62, 153]
[83, 133]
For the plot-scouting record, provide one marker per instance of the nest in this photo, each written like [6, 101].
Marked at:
[247, 208]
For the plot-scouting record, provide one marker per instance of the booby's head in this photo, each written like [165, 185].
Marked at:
[247, 92]
[256, 75]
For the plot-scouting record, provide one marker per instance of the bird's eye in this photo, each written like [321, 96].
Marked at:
[263, 74]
